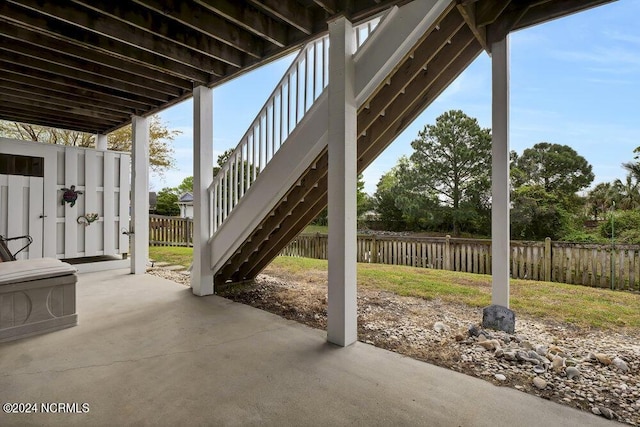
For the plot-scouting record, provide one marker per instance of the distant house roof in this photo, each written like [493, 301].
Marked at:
[186, 198]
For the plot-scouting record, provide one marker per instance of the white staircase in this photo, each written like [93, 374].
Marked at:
[289, 134]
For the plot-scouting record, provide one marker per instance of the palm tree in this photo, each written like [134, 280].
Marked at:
[627, 193]
[600, 199]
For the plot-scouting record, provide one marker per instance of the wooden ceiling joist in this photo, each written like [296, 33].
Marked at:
[250, 19]
[290, 11]
[85, 55]
[104, 61]
[48, 62]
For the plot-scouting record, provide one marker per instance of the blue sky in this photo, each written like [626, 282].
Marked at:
[574, 81]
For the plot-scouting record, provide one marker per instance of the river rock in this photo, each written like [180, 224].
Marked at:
[620, 364]
[474, 330]
[500, 377]
[557, 363]
[542, 350]
[606, 412]
[440, 327]
[539, 383]
[539, 369]
[490, 344]
[572, 372]
[603, 358]
[510, 356]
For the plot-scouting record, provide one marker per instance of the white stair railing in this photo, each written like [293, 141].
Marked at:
[301, 85]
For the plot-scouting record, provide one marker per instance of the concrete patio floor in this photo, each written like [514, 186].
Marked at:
[148, 352]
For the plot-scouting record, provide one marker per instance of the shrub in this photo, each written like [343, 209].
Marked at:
[623, 221]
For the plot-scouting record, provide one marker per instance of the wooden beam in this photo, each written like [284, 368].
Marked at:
[28, 115]
[62, 92]
[102, 75]
[330, 6]
[201, 19]
[424, 90]
[506, 23]
[34, 100]
[250, 19]
[90, 22]
[290, 11]
[24, 75]
[545, 11]
[83, 54]
[13, 117]
[63, 108]
[119, 50]
[277, 216]
[488, 11]
[81, 79]
[468, 12]
[114, 19]
[426, 50]
[303, 213]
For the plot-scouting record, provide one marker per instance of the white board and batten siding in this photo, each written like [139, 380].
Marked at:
[103, 178]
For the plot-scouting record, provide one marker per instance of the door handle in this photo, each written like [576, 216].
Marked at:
[43, 216]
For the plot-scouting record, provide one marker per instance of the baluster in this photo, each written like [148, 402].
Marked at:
[314, 68]
[297, 104]
[254, 172]
[281, 138]
[242, 172]
[324, 64]
[260, 144]
[273, 127]
[212, 211]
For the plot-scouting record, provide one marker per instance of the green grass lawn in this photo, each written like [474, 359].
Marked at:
[579, 305]
[313, 229]
[574, 304]
[175, 255]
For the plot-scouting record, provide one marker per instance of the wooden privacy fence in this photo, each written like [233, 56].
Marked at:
[573, 263]
[170, 231]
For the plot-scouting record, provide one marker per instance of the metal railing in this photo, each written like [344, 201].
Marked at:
[299, 88]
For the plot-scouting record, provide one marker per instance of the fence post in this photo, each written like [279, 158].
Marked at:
[447, 253]
[547, 259]
[374, 250]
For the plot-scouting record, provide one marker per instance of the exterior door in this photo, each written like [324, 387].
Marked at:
[22, 212]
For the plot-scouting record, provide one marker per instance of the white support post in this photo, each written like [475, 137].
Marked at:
[101, 142]
[201, 274]
[342, 298]
[140, 194]
[500, 225]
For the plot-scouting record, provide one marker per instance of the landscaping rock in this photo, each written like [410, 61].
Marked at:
[540, 383]
[440, 327]
[499, 318]
[603, 358]
[572, 372]
[620, 364]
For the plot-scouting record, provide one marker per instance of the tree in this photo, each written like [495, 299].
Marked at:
[626, 193]
[222, 159]
[185, 186]
[600, 199]
[167, 203]
[557, 168]
[452, 161]
[363, 204]
[160, 139]
[537, 214]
